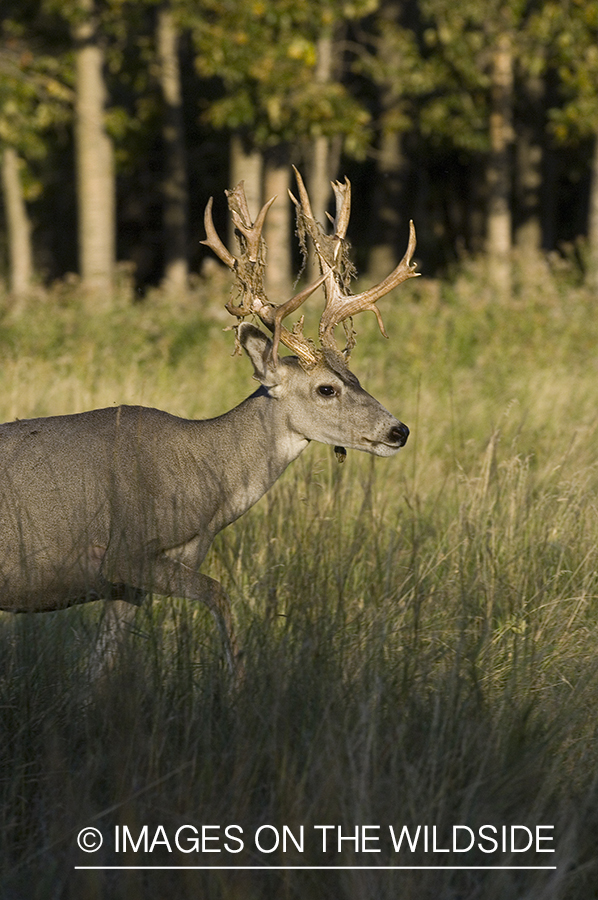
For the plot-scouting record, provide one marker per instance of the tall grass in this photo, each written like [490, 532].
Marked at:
[419, 634]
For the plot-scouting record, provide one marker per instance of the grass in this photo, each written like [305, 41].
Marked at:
[419, 633]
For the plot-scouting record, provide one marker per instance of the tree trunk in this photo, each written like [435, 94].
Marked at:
[592, 268]
[175, 214]
[18, 226]
[529, 181]
[95, 163]
[386, 206]
[319, 174]
[386, 250]
[246, 165]
[529, 173]
[499, 168]
[277, 229]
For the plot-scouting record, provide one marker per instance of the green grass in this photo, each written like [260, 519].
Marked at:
[419, 633]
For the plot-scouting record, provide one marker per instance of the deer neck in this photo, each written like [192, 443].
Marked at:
[264, 440]
[254, 445]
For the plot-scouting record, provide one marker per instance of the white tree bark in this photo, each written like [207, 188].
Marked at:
[18, 226]
[499, 239]
[277, 228]
[529, 159]
[94, 163]
[319, 170]
[175, 214]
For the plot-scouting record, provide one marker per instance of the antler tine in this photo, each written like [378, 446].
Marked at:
[213, 240]
[327, 247]
[342, 196]
[251, 231]
[341, 306]
[404, 270]
[238, 193]
[304, 205]
[284, 310]
[249, 271]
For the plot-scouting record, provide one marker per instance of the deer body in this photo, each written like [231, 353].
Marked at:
[123, 502]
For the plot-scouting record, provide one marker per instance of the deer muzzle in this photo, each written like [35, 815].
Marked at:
[398, 434]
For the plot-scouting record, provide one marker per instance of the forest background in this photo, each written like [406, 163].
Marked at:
[119, 119]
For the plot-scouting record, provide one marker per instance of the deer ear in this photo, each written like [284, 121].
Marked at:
[258, 348]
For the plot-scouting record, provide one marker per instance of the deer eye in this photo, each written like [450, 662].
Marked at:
[326, 390]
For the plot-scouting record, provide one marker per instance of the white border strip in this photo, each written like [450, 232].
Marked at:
[320, 868]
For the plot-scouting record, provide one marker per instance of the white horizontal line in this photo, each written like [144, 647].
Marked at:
[321, 868]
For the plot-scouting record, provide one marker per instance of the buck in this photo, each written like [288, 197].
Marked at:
[121, 503]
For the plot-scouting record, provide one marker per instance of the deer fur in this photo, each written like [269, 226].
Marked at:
[124, 502]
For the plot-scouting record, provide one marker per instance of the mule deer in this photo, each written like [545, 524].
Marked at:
[124, 502]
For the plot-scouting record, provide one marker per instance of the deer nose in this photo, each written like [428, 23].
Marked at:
[399, 434]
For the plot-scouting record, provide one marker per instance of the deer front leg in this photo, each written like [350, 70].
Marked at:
[133, 571]
[176, 579]
[173, 578]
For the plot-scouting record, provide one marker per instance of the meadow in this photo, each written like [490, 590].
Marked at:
[420, 634]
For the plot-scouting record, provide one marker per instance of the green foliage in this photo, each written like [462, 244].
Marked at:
[570, 33]
[34, 94]
[458, 41]
[266, 56]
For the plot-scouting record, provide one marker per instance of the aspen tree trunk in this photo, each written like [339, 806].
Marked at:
[529, 173]
[18, 227]
[499, 169]
[277, 229]
[386, 207]
[175, 214]
[529, 181]
[245, 164]
[319, 174]
[592, 270]
[94, 162]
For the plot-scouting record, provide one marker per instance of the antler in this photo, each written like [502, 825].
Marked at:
[335, 266]
[249, 269]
